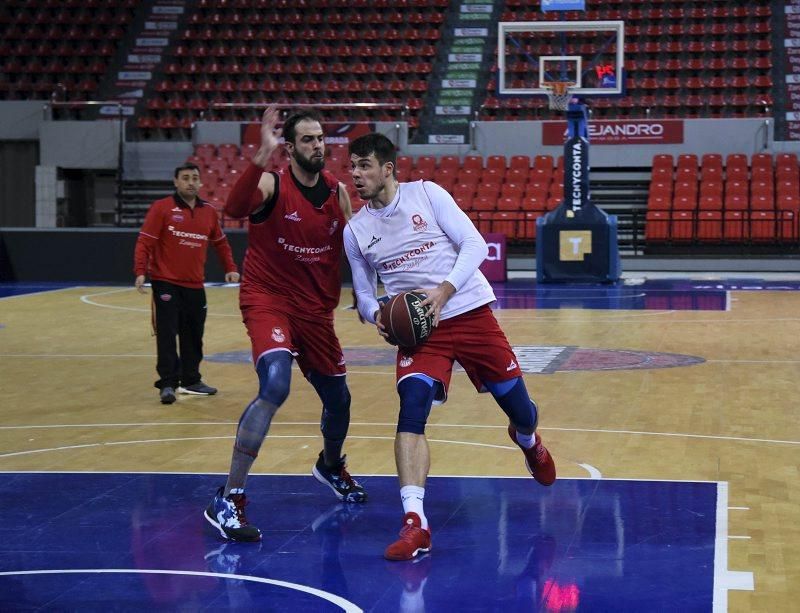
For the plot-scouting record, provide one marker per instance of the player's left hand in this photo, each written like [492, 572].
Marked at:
[437, 297]
[232, 277]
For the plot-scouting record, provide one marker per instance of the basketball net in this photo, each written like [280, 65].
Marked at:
[559, 94]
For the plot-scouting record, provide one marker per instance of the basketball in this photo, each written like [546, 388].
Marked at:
[405, 320]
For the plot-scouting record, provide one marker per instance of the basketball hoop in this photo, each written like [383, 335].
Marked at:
[559, 94]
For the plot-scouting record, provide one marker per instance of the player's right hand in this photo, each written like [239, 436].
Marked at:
[382, 329]
[269, 136]
[139, 284]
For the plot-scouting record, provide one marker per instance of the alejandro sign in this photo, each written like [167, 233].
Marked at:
[623, 132]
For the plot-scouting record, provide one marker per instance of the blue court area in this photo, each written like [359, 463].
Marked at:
[132, 542]
[20, 289]
[647, 294]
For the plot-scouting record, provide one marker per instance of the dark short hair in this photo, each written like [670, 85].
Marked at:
[289, 126]
[376, 143]
[186, 166]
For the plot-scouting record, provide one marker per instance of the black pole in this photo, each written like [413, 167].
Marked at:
[120, 166]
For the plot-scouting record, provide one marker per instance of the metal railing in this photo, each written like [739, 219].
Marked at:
[323, 106]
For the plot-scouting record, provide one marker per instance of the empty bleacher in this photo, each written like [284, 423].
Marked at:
[682, 59]
[731, 201]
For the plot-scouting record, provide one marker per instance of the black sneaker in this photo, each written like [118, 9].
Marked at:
[167, 395]
[198, 389]
[339, 480]
[226, 514]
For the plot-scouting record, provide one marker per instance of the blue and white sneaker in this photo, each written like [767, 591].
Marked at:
[226, 514]
[339, 480]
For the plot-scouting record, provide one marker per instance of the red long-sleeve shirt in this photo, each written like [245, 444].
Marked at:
[173, 242]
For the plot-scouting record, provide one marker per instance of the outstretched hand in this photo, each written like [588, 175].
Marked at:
[269, 136]
[437, 297]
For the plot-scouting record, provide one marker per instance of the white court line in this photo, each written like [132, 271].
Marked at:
[344, 604]
[593, 472]
[738, 508]
[87, 299]
[753, 361]
[263, 474]
[76, 355]
[731, 537]
[725, 579]
[349, 372]
[392, 425]
[576, 320]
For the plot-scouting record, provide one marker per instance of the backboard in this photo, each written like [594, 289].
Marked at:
[587, 54]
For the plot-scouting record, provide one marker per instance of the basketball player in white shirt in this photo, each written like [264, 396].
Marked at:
[415, 236]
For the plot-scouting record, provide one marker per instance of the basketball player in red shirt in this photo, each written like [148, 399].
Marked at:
[291, 287]
[172, 248]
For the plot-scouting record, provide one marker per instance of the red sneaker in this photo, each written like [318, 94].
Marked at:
[537, 459]
[413, 540]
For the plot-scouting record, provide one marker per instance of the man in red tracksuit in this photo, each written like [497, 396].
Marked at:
[172, 248]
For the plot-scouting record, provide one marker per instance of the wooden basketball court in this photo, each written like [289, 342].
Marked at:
[77, 396]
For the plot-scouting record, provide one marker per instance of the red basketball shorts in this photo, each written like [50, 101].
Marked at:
[475, 340]
[311, 339]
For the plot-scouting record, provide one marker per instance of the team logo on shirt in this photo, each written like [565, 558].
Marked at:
[277, 335]
[406, 361]
[420, 225]
[334, 225]
[177, 218]
[375, 240]
[293, 216]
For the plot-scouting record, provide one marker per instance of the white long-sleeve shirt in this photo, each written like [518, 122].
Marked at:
[419, 240]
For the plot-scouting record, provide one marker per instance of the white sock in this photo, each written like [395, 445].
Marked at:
[526, 440]
[413, 497]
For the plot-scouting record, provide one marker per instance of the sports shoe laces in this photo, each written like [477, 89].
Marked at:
[238, 502]
[541, 453]
[408, 532]
[345, 477]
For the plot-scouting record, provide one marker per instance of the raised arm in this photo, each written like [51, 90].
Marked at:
[255, 186]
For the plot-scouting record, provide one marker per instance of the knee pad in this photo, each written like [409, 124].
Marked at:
[416, 397]
[335, 396]
[512, 396]
[274, 377]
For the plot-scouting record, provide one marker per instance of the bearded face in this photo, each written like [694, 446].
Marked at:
[312, 163]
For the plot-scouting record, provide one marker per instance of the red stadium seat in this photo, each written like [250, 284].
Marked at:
[682, 225]
[709, 225]
[657, 226]
[733, 228]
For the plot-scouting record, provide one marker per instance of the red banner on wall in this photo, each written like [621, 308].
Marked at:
[494, 266]
[622, 132]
